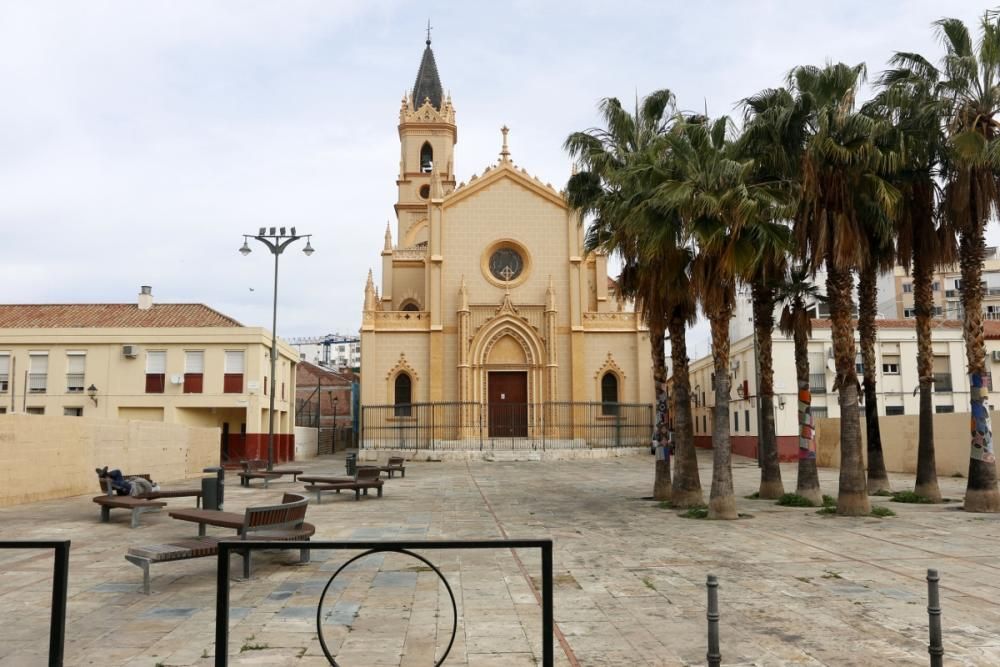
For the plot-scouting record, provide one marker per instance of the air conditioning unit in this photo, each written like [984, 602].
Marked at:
[130, 351]
[996, 355]
[176, 379]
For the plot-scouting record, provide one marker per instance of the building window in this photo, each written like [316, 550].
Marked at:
[909, 313]
[736, 421]
[35, 411]
[891, 410]
[859, 364]
[232, 379]
[609, 394]
[72, 412]
[936, 286]
[38, 372]
[818, 412]
[4, 371]
[3, 410]
[942, 374]
[156, 371]
[907, 287]
[942, 409]
[890, 365]
[402, 396]
[817, 383]
[746, 420]
[282, 391]
[194, 371]
[76, 364]
[704, 427]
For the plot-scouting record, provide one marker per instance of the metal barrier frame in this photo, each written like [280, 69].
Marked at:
[226, 547]
[60, 584]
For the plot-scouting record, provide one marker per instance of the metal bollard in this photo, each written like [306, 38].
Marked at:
[935, 648]
[714, 656]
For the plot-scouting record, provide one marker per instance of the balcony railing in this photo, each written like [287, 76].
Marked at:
[506, 426]
[817, 383]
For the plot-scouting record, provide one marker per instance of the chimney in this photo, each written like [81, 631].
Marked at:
[145, 297]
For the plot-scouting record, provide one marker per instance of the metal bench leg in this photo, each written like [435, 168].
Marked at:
[380, 492]
[304, 555]
[144, 564]
[105, 514]
[246, 563]
[135, 517]
[319, 497]
[197, 502]
[357, 494]
[201, 530]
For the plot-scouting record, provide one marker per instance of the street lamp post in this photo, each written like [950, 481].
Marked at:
[333, 448]
[276, 240]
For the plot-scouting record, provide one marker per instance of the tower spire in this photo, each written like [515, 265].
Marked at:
[504, 150]
[428, 83]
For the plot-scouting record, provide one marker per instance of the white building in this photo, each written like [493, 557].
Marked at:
[897, 380]
[331, 350]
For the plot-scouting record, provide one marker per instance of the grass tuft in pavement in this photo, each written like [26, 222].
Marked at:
[699, 512]
[909, 497]
[881, 511]
[794, 500]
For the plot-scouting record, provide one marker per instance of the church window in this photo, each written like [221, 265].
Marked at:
[506, 264]
[410, 306]
[426, 158]
[425, 191]
[402, 397]
[609, 394]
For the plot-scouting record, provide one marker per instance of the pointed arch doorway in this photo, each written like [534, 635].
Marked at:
[507, 405]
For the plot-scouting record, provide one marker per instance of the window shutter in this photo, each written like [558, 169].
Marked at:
[194, 362]
[4, 364]
[38, 362]
[156, 363]
[234, 361]
[76, 364]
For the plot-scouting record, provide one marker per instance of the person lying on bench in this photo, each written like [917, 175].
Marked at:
[136, 486]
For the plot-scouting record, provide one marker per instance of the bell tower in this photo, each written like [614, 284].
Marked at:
[427, 138]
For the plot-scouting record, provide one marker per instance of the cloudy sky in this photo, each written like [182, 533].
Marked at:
[140, 140]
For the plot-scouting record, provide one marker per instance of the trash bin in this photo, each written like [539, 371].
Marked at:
[212, 488]
[352, 464]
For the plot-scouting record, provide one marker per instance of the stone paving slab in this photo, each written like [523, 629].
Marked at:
[797, 588]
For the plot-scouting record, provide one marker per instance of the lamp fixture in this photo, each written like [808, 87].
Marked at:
[245, 250]
[92, 392]
[308, 250]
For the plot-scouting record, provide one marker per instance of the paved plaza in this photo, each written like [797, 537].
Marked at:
[797, 588]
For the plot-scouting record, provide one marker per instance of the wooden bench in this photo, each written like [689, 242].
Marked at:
[367, 477]
[105, 483]
[279, 523]
[136, 505]
[394, 465]
[257, 469]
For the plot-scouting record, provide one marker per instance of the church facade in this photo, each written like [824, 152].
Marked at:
[487, 300]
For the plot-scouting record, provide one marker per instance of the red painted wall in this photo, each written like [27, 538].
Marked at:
[254, 446]
[746, 445]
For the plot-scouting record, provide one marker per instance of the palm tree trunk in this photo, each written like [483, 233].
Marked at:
[852, 495]
[763, 317]
[686, 488]
[721, 502]
[661, 476]
[807, 484]
[878, 479]
[923, 303]
[981, 493]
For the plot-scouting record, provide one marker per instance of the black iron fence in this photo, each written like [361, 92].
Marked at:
[506, 426]
[408, 548]
[60, 583]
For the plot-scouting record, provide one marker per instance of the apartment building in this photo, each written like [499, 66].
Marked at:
[896, 369]
[331, 350]
[947, 288]
[180, 363]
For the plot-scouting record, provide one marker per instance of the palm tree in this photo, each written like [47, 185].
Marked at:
[612, 188]
[796, 293]
[908, 99]
[729, 218]
[970, 90]
[880, 258]
[840, 178]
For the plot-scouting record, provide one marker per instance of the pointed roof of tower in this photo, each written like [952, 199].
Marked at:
[428, 83]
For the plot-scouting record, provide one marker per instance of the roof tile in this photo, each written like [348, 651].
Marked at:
[108, 315]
